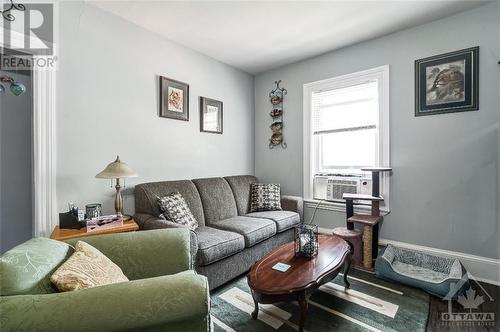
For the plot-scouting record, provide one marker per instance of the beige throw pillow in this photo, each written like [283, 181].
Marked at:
[86, 268]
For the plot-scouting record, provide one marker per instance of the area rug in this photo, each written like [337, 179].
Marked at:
[371, 304]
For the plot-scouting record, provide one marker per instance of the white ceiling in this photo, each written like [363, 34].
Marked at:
[257, 36]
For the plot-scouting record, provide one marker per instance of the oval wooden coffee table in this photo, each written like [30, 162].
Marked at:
[303, 277]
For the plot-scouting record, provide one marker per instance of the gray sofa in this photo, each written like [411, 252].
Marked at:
[229, 239]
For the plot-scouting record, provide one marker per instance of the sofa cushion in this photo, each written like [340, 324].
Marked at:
[240, 184]
[175, 209]
[217, 198]
[254, 230]
[284, 219]
[265, 197]
[26, 268]
[215, 244]
[146, 197]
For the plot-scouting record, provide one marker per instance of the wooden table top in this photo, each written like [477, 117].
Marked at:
[362, 197]
[303, 273]
[66, 234]
[377, 169]
[365, 219]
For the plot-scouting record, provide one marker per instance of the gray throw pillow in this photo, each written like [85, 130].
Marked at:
[265, 197]
[175, 209]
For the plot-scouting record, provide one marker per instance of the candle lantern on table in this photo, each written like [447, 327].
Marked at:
[306, 240]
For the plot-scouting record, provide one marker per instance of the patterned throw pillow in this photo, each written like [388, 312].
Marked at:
[175, 209]
[265, 197]
[86, 268]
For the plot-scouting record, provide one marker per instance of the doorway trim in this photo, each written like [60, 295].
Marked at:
[44, 143]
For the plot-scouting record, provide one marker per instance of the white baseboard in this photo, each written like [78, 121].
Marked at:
[482, 268]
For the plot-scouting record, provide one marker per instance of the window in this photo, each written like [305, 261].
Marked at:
[346, 125]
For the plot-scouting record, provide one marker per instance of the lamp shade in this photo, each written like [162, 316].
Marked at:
[116, 170]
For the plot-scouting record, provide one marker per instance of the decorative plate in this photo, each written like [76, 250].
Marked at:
[275, 100]
[276, 126]
[276, 138]
[276, 112]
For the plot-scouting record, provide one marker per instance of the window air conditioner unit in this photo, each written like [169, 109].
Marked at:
[332, 188]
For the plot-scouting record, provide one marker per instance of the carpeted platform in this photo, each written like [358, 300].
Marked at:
[370, 305]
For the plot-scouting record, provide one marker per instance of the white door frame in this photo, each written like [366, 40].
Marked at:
[44, 143]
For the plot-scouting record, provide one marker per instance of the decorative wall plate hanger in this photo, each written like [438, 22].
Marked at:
[276, 97]
[8, 7]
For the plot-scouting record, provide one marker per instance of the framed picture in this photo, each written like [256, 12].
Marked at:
[447, 83]
[174, 99]
[210, 115]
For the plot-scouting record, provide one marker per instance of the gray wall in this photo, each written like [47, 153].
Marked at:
[16, 213]
[446, 183]
[107, 104]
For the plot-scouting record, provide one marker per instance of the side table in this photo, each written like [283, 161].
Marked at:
[66, 234]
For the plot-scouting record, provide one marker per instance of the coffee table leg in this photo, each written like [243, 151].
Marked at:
[303, 311]
[256, 304]
[347, 284]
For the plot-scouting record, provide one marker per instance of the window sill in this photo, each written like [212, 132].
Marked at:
[340, 207]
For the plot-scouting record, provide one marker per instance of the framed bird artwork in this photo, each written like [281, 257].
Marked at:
[447, 83]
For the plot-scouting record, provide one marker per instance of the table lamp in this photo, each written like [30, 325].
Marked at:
[117, 170]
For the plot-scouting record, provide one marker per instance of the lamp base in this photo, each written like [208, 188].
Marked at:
[126, 217]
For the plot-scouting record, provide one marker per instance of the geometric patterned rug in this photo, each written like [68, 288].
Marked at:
[371, 304]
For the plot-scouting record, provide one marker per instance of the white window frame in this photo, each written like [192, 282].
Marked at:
[381, 74]
[44, 141]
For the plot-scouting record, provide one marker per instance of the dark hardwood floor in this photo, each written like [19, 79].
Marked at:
[491, 304]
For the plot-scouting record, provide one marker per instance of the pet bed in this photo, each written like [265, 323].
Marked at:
[433, 274]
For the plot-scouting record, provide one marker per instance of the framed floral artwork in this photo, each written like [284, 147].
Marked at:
[174, 99]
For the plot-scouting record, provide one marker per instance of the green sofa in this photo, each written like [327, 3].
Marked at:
[164, 292]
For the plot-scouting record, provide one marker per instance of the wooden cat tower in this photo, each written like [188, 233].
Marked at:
[370, 222]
